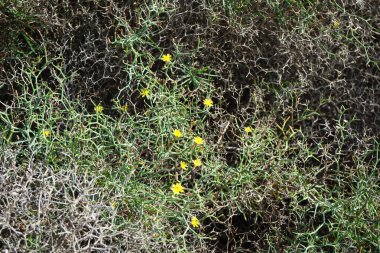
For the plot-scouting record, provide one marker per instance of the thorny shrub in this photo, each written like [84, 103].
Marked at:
[307, 69]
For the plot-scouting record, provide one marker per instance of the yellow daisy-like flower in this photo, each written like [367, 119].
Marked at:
[144, 92]
[98, 109]
[197, 162]
[166, 58]
[195, 222]
[335, 24]
[208, 102]
[183, 165]
[113, 205]
[124, 108]
[248, 130]
[177, 133]
[177, 188]
[46, 133]
[198, 140]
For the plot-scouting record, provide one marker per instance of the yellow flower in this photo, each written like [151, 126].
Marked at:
[183, 165]
[177, 133]
[177, 188]
[99, 109]
[144, 93]
[197, 162]
[208, 102]
[46, 133]
[124, 108]
[335, 24]
[113, 205]
[166, 58]
[195, 222]
[248, 130]
[198, 140]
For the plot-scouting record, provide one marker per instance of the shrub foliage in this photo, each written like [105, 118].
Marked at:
[284, 94]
